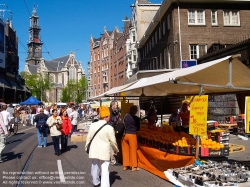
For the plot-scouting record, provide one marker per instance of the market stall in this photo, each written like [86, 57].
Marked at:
[219, 76]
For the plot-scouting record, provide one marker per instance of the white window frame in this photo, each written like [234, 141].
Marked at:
[231, 18]
[197, 47]
[214, 18]
[196, 13]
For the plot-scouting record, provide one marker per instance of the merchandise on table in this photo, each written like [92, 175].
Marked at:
[180, 143]
[212, 174]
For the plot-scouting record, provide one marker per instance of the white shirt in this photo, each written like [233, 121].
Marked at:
[73, 116]
[68, 110]
[6, 117]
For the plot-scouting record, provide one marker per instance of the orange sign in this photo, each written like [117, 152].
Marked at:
[198, 116]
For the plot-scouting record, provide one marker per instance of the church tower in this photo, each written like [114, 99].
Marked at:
[34, 42]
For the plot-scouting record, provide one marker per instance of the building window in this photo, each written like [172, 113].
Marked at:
[65, 80]
[153, 41]
[169, 22]
[159, 33]
[156, 39]
[196, 17]
[72, 73]
[197, 51]
[60, 78]
[164, 27]
[231, 18]
[169, 57]
[133, 36]
[214, 17]
[134, 56]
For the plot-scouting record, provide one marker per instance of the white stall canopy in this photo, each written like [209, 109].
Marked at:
[225, 75]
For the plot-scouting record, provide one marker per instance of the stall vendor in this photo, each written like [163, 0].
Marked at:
[183, 118]
[173, 120]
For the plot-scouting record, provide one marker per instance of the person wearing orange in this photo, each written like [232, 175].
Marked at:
[66, 129]
[183, 118]
[129, 142]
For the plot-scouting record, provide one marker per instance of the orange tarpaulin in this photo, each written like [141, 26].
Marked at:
[156, 161]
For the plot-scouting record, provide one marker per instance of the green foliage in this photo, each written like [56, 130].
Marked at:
[38, 84]
[74, 91]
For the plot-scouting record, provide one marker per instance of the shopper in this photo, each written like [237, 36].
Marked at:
[66, 129]
[116, 160]
[55, 134]
[129, 142]
[3, 135]
[41, 125]
[6, 117]
[100, 148]
[74, 119]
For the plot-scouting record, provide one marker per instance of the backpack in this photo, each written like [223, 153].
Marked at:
[119, 128]
[41, 124]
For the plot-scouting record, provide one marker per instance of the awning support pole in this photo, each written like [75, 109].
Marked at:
[230, 73]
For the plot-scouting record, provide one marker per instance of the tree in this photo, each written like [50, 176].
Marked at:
[37, 83]
[74, 91]
[82, 90]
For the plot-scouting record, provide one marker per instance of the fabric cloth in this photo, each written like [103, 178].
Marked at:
[132, 124]
[53, 129]
[129, 148]
[55, 140]
[42, 137]
[64, 142]
[74, 117]
[6, 117]
[3, 129]
[183, 117]
[68, 110]
[156, 161]
[2, 144]
[66, 124]
[103, 141]
[11, 111]
[40, 116]
[97, 167]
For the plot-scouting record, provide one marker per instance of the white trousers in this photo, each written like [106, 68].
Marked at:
[97, 167]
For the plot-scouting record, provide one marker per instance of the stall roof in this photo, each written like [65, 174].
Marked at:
[113, 91]
[218, 76]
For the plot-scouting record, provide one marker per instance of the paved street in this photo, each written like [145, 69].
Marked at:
[43, 166]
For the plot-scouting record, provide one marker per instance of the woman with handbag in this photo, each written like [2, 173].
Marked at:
[55, 123]
[129, 142]
[66, 129]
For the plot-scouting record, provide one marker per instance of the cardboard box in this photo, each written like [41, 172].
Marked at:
[79, 137]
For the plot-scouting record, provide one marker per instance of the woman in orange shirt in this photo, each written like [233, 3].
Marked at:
[66, 129]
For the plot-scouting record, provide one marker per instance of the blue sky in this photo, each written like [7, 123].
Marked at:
[66, 25]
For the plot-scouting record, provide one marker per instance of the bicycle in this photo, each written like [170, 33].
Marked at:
[13, 128]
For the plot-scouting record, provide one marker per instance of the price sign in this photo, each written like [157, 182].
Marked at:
[198, 116]
[247, 114]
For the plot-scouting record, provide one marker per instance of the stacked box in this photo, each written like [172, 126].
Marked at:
[172, 149]
[241, 124]
[183, 150]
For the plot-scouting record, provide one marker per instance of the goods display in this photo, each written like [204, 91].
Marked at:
[180, 143]
[210, 174]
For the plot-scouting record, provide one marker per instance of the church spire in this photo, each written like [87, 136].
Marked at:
[34, 42]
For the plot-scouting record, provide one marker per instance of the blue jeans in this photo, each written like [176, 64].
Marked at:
[42, 141]
[74, 129]
[55, 140]
[64, 141]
